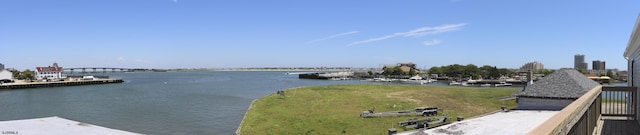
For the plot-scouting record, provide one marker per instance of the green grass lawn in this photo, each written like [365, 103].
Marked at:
[335, 109]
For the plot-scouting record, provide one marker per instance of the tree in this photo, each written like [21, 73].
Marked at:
[494, 73]
[397, 71]
[370, 73]
[387, 71]
[27, 74]
[471, 70]
[454, 70]
[484, 70]
[505, 72]
[435, 70]
[15, 74]
[412, 72]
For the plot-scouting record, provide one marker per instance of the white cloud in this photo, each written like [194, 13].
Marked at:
[432, 42]
[175, 1]
[121, 59]
[416, 32]
[332, 36]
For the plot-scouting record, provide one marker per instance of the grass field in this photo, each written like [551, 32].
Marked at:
[335, 109]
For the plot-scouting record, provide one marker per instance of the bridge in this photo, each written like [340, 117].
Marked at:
[96, 70]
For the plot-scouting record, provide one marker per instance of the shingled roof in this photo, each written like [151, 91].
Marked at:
[563, 83]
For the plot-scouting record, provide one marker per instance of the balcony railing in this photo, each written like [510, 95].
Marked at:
[619, 101]
[581, 117]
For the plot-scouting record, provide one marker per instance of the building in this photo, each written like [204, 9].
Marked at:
[579, 63]
[632, 54]
[622, 75]
[406, 67]
[532, 66]
[6, 76]
[53, 72]
[598, 65]
[555, 91]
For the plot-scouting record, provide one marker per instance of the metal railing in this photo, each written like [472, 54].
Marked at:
[581, 116]
[619, 101]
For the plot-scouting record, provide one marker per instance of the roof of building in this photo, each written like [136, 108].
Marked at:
[56, 125]
[49, 69]
[405, 68]
[500, 123]
[563, 83]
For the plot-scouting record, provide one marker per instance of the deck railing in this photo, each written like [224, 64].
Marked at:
[619, 101]
[581, 116]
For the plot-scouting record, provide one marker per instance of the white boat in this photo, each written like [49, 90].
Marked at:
[409, 81]
[340, 78]
[485, 85]
[454, 83]
[503, 84]
[415, 78]
[432, 80]
[464, 84]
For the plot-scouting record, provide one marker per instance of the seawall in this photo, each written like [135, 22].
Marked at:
[57, 84]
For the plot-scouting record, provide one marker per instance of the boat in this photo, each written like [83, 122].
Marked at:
[503, 84]
[339, 78]
[414, 81]
[485, 85]
[454, 83]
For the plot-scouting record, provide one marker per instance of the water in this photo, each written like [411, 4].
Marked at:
[156, 103]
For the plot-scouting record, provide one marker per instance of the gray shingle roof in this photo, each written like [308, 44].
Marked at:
[563, 83]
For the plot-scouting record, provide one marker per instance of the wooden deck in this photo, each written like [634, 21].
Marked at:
[617, 126]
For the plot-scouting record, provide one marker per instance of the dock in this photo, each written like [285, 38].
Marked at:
[24, 85]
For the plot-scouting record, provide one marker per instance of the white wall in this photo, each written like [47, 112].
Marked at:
[525, 103]
[6, 74]
[50, 75]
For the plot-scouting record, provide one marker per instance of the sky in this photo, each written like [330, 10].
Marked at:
[312, 33]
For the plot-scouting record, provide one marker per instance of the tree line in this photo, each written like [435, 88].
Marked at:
[485, 72]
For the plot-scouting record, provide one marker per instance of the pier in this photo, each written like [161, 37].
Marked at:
[24, 85]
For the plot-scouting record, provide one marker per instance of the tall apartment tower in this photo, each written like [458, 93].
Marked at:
[598, 65]
[1, 66]
[578, 62]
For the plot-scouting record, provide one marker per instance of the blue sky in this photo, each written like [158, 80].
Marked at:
[295, 33]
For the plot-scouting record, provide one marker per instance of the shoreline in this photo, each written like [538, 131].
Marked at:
[239, 129]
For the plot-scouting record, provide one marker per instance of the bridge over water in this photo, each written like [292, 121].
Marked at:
[95, 70]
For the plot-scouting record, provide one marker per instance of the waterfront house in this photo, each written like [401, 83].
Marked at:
[555, 91]
[53, 72]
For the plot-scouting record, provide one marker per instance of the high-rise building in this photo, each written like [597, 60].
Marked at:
[532, 66]
[579, 63]
[599, 65]
[1, 66]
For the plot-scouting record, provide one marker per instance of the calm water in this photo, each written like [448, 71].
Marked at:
[155, 103]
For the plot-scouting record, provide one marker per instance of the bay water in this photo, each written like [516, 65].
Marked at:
[174, 103]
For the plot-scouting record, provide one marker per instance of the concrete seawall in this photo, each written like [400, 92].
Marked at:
[57, 84]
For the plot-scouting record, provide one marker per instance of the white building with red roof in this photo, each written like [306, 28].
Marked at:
[50, 73]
